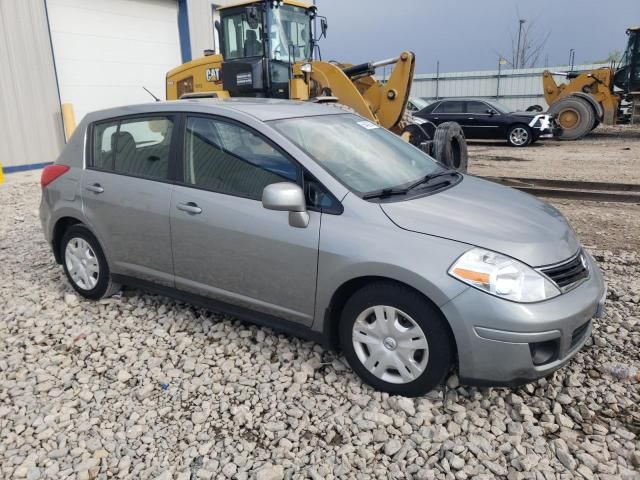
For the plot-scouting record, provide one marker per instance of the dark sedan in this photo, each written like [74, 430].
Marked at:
[484, 119]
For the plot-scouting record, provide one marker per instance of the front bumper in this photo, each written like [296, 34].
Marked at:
[506, 343]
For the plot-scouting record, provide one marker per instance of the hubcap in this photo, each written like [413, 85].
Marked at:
[82, 263]
[390, 344]
[519, 136]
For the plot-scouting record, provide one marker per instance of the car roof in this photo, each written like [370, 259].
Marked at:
[264, 109]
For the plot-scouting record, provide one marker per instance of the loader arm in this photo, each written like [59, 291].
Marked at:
[356, 87]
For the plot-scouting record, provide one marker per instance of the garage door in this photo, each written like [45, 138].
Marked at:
[107, 50]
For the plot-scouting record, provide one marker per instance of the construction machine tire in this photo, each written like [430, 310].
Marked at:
[450, 146]
[575, 116]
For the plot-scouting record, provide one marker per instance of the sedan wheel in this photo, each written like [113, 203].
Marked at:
[395, 339]
[390, 344]
[519, 136]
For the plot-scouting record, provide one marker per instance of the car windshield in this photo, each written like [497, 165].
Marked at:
[500, 107]
[362, 155]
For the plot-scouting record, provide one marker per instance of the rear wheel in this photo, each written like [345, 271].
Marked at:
[395, 340]
[575, 116]
[450, 146]
[519, 136]
[85, 264]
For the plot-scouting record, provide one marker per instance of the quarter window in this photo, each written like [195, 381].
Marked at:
[228, 158]
[137, 147]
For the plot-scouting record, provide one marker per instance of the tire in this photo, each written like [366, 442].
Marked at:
[575, 115]
[596, 122]
[519, 135]
[450, 146]
[414, 313]
[90, 277]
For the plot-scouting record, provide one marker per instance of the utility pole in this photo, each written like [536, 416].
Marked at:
[518, 59]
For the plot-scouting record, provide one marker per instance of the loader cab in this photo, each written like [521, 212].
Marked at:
[627, 76]
[260, 41]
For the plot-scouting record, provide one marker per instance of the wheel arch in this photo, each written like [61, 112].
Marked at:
[349, 287]
[61, 226]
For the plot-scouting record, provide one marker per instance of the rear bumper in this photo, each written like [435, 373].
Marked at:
[506, 343]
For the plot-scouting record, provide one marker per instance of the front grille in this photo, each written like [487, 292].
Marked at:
[578, 334]
[568, 274]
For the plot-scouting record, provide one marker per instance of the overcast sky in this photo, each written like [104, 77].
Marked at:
[464, 34]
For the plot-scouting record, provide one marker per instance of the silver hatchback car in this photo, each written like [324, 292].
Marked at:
[317, 222]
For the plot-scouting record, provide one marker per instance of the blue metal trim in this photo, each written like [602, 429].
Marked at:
[23, 168]
[183, 30]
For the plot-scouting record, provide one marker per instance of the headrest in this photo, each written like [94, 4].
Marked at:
[123, 140]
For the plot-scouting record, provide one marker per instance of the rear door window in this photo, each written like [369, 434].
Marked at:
[450, 107]
[138, 147]
[228, 158]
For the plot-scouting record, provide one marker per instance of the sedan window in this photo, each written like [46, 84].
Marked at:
[450, 107]
[477, 107]
[138, 147]
[228, 158]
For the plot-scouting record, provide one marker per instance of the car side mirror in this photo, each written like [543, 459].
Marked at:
[491, 111]
[287, 197]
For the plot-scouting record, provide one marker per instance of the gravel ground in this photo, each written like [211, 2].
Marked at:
[608, 154]
[140, 386]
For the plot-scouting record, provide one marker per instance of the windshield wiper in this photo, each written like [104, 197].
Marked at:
[385, 192]
[388, 192]
[427, 178]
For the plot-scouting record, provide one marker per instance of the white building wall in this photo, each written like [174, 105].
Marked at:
[202, 14]
[30, 117]
[517, 89]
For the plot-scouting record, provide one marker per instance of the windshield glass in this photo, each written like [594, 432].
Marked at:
[500, 107]
[360, 154]
[290, 34]
[240, 40]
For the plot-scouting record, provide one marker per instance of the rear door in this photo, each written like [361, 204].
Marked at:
[225, 244]
[449, 111]
[126, 194]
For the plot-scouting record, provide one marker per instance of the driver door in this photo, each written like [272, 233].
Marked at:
[226, 246]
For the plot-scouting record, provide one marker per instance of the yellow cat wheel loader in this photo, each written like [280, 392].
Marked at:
[597, 96]
[269, 49]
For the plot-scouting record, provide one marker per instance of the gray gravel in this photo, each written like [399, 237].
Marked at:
[141, 386]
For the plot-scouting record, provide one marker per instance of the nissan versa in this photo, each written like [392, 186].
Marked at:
[317, 222]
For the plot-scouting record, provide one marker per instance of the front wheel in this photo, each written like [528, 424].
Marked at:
[395, 339]
[519, 136]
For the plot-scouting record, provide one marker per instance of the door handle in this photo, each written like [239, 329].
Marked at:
[470, 118]
[95, 188]
[190, 207]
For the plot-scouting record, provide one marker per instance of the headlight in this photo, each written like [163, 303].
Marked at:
[502, 276]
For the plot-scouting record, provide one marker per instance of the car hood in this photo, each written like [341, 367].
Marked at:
[488, 215]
